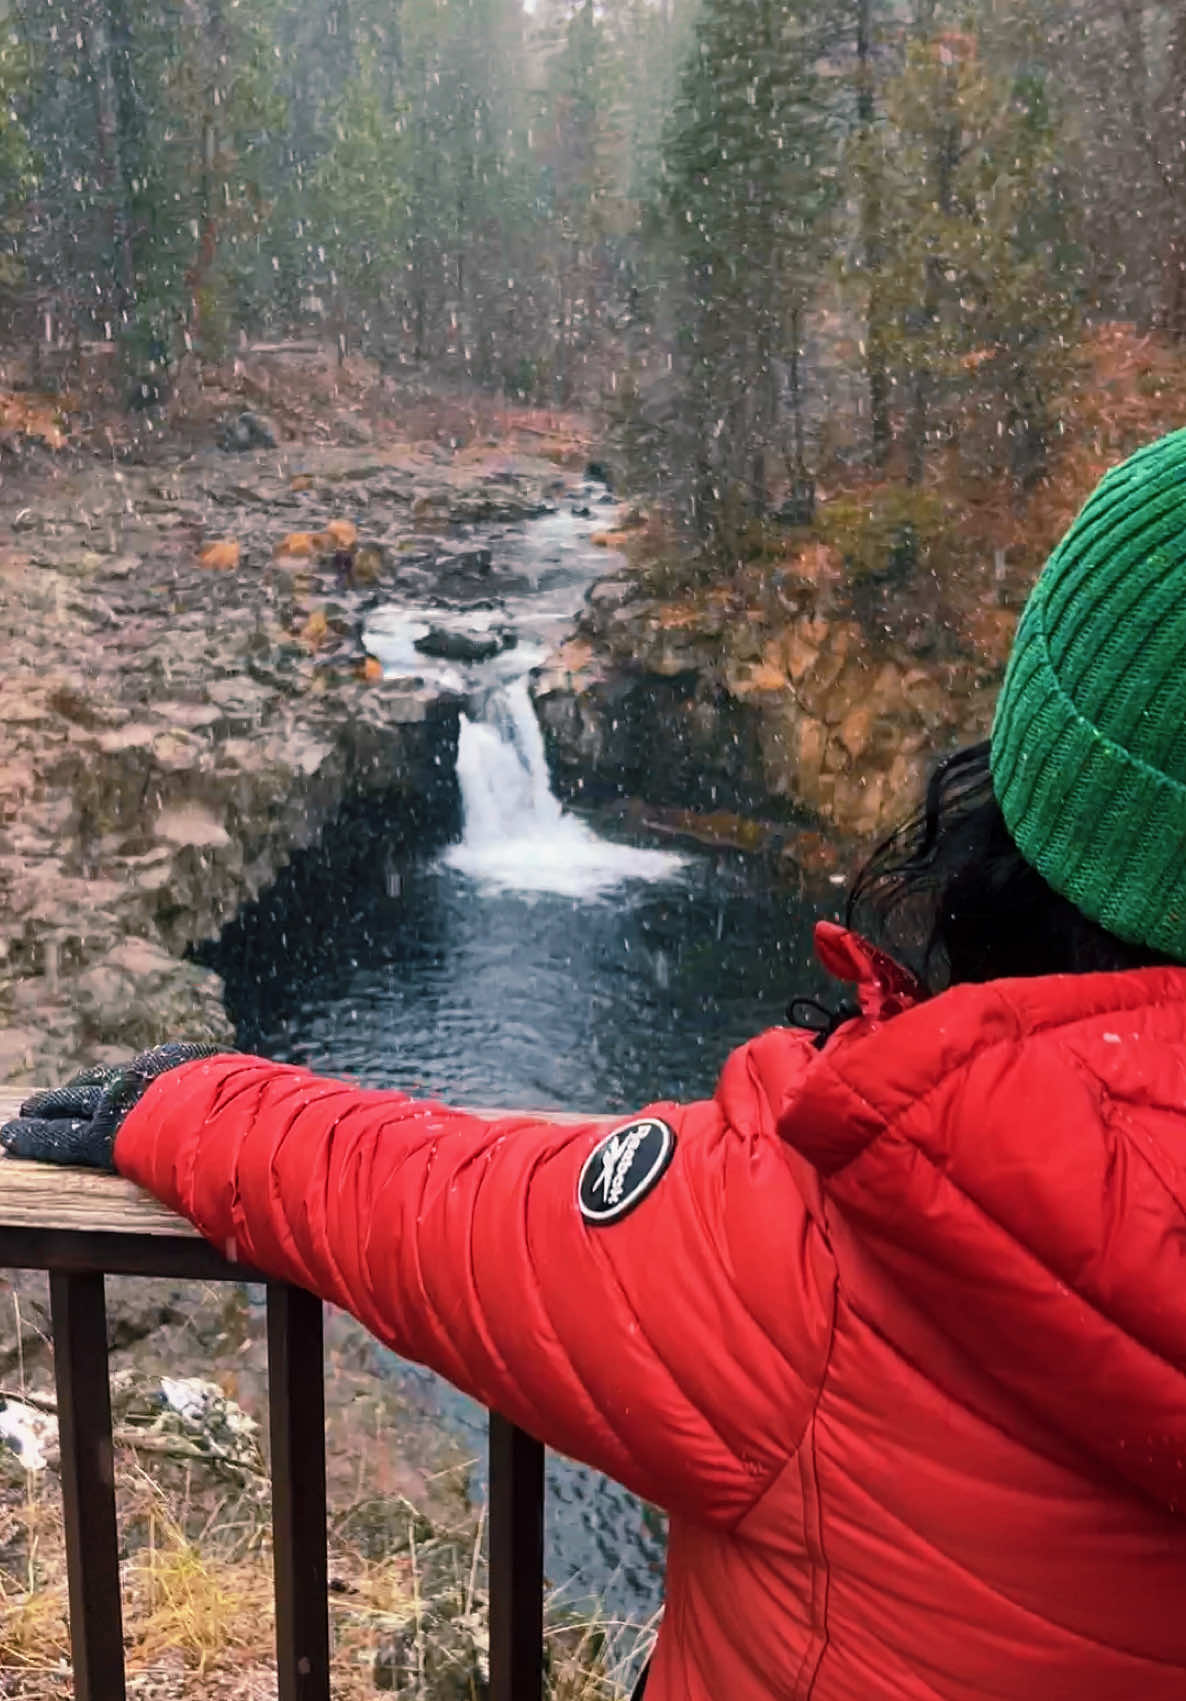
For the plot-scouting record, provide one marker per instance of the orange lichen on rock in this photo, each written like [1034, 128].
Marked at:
[315, 630]
[368, 564]
[762, 676]
[372, 669]
[301, 544]
[221, 555]
[343, 534]
[338, 535]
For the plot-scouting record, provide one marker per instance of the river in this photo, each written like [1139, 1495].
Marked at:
[536, 962]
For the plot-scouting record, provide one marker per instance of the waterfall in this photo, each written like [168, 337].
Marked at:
[515, 833]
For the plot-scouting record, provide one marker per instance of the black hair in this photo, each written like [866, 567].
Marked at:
[949, 895]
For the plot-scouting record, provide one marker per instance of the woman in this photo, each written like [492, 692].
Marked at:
[894, 1325]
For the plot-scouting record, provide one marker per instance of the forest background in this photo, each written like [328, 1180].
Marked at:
[769, 241]
[868, 289]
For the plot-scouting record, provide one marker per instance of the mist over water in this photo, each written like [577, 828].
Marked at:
[516, 835]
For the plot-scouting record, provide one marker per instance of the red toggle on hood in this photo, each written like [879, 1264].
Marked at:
[884, 987]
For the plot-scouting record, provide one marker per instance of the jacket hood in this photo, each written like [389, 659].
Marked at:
[1012, 1157]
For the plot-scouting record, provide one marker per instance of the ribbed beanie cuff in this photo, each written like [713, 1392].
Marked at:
[1089, 741]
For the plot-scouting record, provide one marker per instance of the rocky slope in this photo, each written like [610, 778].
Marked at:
[175, 731]
[777, 695]
[816, 685]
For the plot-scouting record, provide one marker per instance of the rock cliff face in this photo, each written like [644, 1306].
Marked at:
[174, 734]
[773, 696]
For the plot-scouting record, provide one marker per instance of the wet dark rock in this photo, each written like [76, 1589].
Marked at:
[249, 430]
[602, 744]
[798, 716]
[147, 394]
[471, 559]
[411, 580]
[799, 507]
[464, 646]
[609, 593]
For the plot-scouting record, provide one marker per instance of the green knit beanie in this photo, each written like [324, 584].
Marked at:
[1089, 741]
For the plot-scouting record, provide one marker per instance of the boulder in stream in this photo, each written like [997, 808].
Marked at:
[469, 559]
[465, 646]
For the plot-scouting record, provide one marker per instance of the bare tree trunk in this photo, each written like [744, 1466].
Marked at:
[1173, 288]
[871, 245]
[203, 284]
[798, 434]
[943, 166]
[1158, 125]
[111, 174]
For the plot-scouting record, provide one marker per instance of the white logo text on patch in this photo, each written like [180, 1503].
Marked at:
[623, 1168]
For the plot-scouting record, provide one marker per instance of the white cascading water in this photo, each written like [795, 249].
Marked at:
[515, 834]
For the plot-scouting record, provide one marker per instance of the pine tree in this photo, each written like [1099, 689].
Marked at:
[580, 144]
[356, 209]
[18, 161]
[467, 192]
[977, 312]
[748, 188]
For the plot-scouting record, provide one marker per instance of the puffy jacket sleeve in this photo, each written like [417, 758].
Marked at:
[678, 1348]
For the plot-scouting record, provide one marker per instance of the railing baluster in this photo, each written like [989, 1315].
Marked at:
[79, 1315]
[296, 1417]
[124, 1233]
[516, 1563]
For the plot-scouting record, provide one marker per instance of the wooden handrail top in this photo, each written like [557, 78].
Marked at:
[47, 1196]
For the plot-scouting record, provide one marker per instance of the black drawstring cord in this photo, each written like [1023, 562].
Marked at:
[816, 1017]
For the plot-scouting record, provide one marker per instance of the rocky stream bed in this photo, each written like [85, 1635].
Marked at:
[175, 730]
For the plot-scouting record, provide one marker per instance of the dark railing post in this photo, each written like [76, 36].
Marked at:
[516, 1563]
[296, 1417]
[79, 1315]
[124, 1234]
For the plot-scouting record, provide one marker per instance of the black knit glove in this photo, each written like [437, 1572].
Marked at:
[77, 1123]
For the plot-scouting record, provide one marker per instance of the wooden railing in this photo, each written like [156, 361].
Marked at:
[81, 1226]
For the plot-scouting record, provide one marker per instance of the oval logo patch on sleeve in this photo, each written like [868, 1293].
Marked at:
[623, 1168]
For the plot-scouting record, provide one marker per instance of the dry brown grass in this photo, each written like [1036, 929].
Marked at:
[198, 1606]
[406, 1548]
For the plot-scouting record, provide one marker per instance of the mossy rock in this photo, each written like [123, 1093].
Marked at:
[886, 534]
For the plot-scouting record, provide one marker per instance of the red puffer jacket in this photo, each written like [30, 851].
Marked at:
[897, 1334]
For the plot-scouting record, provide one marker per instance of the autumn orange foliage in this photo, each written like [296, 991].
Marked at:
[33, 415]
[1129, 390]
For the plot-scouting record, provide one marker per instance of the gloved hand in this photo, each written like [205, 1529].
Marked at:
[77, 1123]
